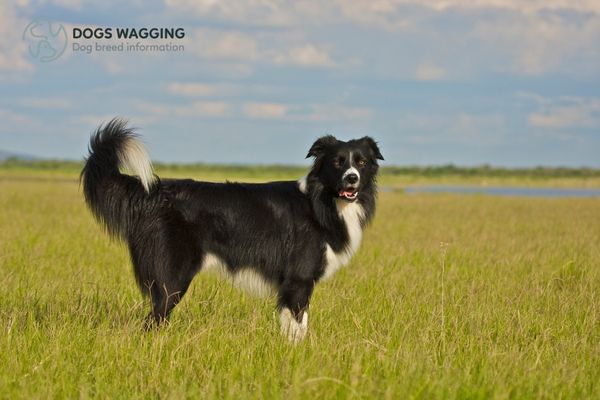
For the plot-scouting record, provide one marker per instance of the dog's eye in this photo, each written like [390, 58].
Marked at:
[361, 163]
[338, 162]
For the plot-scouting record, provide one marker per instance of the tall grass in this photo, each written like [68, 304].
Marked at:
[507, 307]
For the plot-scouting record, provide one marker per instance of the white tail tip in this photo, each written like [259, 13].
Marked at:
[135, 159]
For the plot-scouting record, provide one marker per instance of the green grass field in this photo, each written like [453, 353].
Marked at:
[450, 296]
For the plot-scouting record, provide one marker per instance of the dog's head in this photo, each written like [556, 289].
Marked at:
[345, 168]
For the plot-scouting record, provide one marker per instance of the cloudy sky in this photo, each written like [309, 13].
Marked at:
[504, 82]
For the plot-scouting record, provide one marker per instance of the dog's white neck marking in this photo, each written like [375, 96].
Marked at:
[302, 185]
[351, 214]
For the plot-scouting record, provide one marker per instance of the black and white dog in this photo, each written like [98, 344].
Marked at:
[277, 237]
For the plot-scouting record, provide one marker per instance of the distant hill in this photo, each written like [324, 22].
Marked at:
[4, 155]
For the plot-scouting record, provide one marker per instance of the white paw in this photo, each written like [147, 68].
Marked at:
[295, 331]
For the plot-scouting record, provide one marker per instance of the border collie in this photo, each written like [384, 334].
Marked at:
[278, 237]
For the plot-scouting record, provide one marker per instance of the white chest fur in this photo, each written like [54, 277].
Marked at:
[351, 214]
[246, 278]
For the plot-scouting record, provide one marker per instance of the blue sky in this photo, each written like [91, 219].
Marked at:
[504, 82]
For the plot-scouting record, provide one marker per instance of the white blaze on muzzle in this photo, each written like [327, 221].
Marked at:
[350, 171]
[350, 192]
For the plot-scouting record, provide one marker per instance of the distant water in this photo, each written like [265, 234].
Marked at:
[505, 191]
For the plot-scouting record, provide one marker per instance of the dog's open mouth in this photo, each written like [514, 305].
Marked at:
[349, 193]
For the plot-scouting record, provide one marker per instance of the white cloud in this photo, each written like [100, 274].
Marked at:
[306, 55]
[112, 65]
[313, 113]
[191, 89]
[219, 44]
[245, 89]
[148, 115]
[430, 72]
[379, 14]
[529, 6]
[534, 45]
[145, 113]
[282, 13]
[258, 48]
[477, 128]
[382, 14]
[71, 4]
[563, 112]
[228, 69]
[265, 110]
[12, 118]
[321, 113]
[157, 110]
[45, 102]
[204, 109]
[259, 12]
[486, 129]
[532, 37]
[13, 50]
[91, 120]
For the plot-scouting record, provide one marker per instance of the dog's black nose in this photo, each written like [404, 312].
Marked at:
[352, 178]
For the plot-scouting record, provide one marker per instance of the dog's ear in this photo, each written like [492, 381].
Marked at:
[373, 146]
[320, 146]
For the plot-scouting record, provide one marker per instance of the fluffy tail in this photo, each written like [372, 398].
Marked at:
[117, 200]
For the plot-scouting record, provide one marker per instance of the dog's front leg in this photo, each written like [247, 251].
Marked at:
[294, 297]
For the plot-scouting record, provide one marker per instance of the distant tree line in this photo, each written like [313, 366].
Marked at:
[274, 169]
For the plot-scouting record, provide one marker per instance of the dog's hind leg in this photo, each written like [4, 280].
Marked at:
[165, 294]
[166, 277]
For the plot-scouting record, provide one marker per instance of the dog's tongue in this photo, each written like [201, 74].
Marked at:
[346, 193]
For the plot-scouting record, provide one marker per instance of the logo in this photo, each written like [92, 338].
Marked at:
[47, 41]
